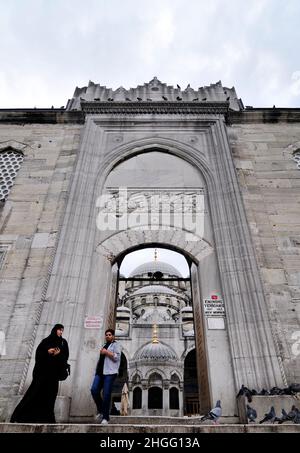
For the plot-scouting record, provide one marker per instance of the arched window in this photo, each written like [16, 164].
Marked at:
[174, 379]
[155, 379]
[137, 398]
[174, 398]
[155, 400]
[10, 162]
[296, 158]
[136, 378]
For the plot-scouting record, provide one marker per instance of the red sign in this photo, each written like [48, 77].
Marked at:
[93, 322]
[214, 297]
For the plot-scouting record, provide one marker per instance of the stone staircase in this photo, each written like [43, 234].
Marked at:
[148, 425]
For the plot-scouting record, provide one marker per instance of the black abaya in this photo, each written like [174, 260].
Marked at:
[37, 405]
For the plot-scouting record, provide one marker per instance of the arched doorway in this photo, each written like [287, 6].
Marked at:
[156, 293]
[191, 390]
[155, 399]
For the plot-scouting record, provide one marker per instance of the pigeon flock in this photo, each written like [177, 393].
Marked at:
[291, 390]
[293, 416]
[271, 417]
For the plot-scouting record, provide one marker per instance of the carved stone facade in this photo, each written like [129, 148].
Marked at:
[58, 266]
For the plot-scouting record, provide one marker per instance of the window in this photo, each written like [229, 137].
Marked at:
[174, 398]
[297, 158]
[155, 400]
[137, 398]
[10, 162]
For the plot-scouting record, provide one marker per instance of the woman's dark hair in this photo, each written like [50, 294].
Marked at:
[111, 331]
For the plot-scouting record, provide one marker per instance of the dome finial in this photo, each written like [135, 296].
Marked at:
[154, 334]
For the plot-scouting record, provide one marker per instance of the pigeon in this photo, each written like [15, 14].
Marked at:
[96, 99]
[264, 392]
[269, 417]
[297, 417]
[128, 99]
[275, 391]
[295, 388]
[284, 417]
[139, 99]
[293, 412]
[227, 99]
[110, 99]
[149, 100]
[251, 414]
[164, 98]
[214, 414]
[196, 99]
[204, 99]
[246, 392]
[179, 98]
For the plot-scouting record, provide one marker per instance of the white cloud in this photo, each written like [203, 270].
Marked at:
[295, 86]
[134, 259]
[61, 44]
[158, 36]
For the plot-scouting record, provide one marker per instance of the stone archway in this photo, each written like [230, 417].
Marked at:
[123, 242]
[82, 279]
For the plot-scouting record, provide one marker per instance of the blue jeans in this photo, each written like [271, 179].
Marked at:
[105, 382]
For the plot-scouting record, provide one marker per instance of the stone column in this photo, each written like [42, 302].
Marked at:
[144, 397]
[166, 398]
[181, 413]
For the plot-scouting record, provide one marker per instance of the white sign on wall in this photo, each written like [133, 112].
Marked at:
[93, 322]
[214, 307]
[214, 310]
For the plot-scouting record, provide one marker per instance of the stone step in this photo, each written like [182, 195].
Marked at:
[146, 428]
[164, 420]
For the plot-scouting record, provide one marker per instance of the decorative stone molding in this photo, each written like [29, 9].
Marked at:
[23, 148]
[169, 108]
[154, 92]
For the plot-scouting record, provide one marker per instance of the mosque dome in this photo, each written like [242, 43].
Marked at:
[155, 351]
[155, 289]
[155, 266]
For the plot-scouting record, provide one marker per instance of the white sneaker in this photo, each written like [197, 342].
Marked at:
[104, 422]
[98, 417]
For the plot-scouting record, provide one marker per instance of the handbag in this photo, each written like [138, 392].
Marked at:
[64, 371]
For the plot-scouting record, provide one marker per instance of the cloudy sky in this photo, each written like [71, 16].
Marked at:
[134, 259]
[48, 47]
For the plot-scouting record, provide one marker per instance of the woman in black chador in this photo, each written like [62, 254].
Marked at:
[37, 405]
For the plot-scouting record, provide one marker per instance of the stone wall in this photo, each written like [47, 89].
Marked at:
[270, 184]
[29, 224]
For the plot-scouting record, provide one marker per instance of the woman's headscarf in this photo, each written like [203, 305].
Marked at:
[53, 338]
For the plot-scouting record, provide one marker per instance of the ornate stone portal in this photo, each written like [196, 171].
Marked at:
[144, 139]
